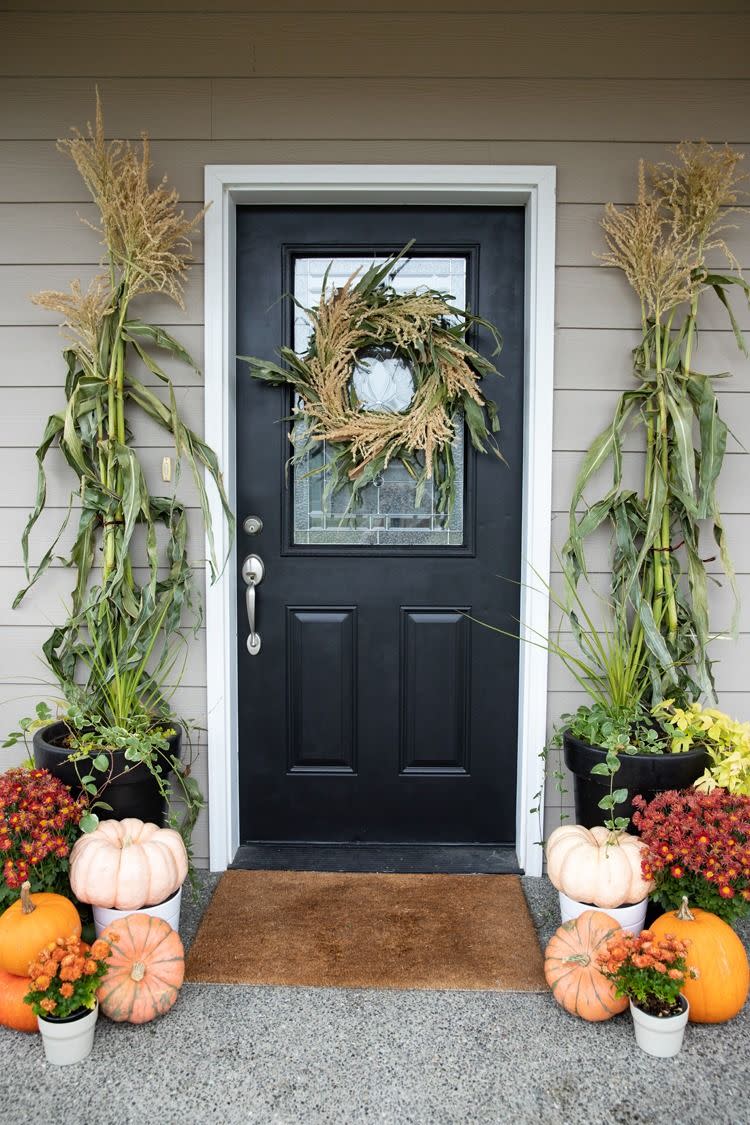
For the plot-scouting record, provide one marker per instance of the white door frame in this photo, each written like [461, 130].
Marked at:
[532, 186]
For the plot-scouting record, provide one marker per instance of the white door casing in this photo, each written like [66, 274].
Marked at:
[532, 186]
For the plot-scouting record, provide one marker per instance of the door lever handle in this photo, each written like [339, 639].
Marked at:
[252, 572]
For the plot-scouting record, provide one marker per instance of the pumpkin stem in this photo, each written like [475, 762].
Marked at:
[27, 906]
[683, 913]
[138, 971]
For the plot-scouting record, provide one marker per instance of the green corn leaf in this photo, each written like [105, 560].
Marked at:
[683, 457]
[196, 452]
[136, 330]
[728, 565]
[713, 442]
[718, 287]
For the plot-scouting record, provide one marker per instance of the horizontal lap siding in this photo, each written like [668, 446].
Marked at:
[427, 81]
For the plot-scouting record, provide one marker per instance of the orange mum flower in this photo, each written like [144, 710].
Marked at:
[66, 990]
[42, 983]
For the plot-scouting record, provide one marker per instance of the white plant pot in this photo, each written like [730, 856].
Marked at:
[659, 1036]
[70, 1040]
[169, 910]
[631, 916]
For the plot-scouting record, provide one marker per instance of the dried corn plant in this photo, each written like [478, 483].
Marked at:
[118, 628]
[662, 245]
[425, 331]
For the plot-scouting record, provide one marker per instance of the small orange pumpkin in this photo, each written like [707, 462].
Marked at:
[714, 949]
[145, 970]
[32, 923]
[570, 967]
[13, 1012]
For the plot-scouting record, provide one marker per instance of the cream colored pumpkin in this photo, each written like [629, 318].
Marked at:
[591, 865]
[127, 864]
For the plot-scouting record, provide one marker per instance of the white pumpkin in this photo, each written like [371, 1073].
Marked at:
[127, 864]
[595, 866]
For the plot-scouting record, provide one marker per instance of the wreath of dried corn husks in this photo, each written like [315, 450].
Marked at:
[424, 330]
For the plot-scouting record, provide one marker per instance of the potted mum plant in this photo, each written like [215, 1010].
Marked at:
[659, 581]
[697, 845]
[120, 653]
[651, 971]
[39, 822]
[64, 980]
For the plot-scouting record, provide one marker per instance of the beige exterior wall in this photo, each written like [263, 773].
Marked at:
[590, 93]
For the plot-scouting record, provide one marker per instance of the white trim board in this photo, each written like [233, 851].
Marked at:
[532, 186]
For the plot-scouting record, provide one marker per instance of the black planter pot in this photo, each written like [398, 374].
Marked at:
[642, 775]
[134, 793]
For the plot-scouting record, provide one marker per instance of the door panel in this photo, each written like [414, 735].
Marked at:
[435, 691]
[376, 710]
[322, 684]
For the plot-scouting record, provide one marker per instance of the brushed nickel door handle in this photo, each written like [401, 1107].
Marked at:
[252, 572]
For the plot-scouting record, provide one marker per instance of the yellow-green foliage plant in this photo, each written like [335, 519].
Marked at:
[727, 742]
[663, 244]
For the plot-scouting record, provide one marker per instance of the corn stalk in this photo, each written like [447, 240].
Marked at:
[659, 571]
[117, 654]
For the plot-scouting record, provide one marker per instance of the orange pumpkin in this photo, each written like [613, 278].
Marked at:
[717, 953]
[13, 1012]
[145, 970]
[32, 923]
[570, 967]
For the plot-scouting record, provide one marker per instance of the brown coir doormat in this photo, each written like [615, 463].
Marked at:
[368, 931]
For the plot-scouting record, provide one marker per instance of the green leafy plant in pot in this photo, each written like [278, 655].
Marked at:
[617, 745]
[133, 603]
[659, 579]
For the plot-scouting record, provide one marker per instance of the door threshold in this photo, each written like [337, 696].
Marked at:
[405, 859]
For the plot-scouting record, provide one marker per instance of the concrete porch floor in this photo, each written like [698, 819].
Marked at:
[281, 1055]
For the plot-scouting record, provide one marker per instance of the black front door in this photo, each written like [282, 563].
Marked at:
[376, 711]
